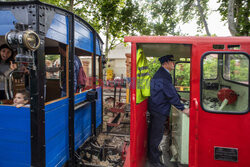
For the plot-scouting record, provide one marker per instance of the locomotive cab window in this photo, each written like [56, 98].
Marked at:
[225, 82]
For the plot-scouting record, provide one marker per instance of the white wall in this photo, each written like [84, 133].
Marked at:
[119, 51]
[117, 59]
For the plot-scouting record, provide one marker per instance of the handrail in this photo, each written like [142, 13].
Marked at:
[10, 84]
[6, 87]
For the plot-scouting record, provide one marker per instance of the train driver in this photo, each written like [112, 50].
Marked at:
[162, 95]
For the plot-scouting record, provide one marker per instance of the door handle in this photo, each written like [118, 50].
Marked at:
[196, 104]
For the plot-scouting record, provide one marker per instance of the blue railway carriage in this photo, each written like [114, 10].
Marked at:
[53, 128]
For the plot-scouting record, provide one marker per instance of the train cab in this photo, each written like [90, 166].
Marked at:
[53, 126]
[212, 74]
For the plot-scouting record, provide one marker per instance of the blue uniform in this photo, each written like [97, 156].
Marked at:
[162, 95]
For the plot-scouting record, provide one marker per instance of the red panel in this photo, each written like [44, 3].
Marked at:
[206, 129]
[138, 123]
[187, 39]
[138, 139]
[209, 130]
[133, 107]
[141, 133]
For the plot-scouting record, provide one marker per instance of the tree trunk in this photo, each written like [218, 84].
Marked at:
[71, 5]
[107, 39]
[203, 17]
[230, 18]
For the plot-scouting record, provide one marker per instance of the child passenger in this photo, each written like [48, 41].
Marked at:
[22, 99]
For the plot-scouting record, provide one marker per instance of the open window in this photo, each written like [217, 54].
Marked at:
[225, 82]
[54, 73]
[87, 67]
[182, 76]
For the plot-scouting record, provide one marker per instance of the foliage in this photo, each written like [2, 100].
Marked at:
[195, 9]
[241, 15]
[52, 58]
[182, 71]
[63, 4]
[239, 68]
[182, 74]
[153, 65]
[163, 17]
[210, 65]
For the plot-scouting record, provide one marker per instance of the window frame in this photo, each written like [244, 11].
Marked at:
[201, 81]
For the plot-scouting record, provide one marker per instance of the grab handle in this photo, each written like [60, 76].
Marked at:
[196, 104]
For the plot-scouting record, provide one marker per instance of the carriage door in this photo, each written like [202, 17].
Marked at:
[223, 119]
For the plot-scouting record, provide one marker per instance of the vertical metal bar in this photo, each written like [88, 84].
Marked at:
[101, 84]
[37, 113]
[93, 104]
[71, 54]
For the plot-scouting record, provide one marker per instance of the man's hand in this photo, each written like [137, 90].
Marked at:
[186, 111]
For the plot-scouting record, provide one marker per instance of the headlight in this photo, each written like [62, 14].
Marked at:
[31, 40]
[27, 39]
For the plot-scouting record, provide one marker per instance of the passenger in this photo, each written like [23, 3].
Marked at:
[162, 95]
[6, 66]
[77, 65]
[22, 99]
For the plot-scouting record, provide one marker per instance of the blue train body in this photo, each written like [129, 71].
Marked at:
[15, 123]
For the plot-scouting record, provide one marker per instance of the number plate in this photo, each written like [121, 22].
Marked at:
[226, 154]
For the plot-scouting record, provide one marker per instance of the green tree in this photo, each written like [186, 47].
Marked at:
[52, 58]
[237, 13]
[113, 18]
[153, 65]
[210, 66]
[195, 9]
[182, 74]
[162, 17]
[165, 15]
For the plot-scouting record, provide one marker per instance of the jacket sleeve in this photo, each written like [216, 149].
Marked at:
[172, 95]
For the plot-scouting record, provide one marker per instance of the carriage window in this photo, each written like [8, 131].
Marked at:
[87, 67]
[236, 68]
[182, 76]
[54, 73]
[210, 63]
[229, 92]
